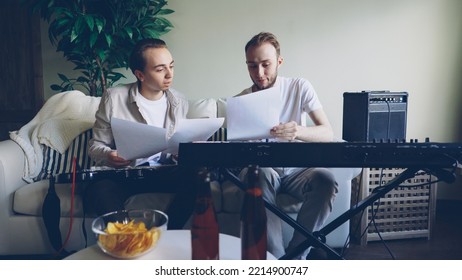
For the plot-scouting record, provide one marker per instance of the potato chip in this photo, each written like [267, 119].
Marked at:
[128, 239]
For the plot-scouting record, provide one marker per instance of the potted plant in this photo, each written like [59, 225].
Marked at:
[98, 35]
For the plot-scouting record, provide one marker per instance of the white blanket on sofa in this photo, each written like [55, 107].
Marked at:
[62, 118]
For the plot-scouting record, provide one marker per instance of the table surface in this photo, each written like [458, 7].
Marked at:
[173, 245]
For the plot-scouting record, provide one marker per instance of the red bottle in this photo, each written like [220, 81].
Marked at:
[253, 220]
[204, 228]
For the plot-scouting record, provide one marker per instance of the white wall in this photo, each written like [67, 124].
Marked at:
[396, 45]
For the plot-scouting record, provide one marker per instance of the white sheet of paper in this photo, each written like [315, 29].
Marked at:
[190, 130]
[251, 116]
[136, 140]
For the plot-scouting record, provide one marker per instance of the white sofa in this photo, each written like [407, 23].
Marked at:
[22, 229]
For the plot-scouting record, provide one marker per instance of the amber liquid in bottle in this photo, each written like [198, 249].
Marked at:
[204, 228]
[253, 220]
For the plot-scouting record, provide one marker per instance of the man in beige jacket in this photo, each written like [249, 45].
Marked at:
[150, 101]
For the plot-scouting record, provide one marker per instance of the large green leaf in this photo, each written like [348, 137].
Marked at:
[90, 22]
[129, 31]
[149, 33]
[74, 34]
[165, 12]
[63, 77]
[99, 22]
[79, 26]
[108, 39]
[93, 38]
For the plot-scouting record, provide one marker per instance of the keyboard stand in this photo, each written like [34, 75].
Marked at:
[286, 218]
[318, 239]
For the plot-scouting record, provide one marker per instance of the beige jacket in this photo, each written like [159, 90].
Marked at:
[120, 102]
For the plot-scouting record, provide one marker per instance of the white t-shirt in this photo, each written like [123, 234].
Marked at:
[154, 111]
[298, 98]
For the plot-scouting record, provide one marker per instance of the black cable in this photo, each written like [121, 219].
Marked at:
[389, 120]
[381, 238]
[84, 228]
[373, 215]
[378, 204]
[379, 187]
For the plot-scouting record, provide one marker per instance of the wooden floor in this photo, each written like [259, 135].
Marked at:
[445, 242]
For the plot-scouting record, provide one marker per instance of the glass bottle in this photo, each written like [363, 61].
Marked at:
[204, 228]
[253, 219]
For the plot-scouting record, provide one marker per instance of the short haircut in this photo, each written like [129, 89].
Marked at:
[137, 60]
[261, 38]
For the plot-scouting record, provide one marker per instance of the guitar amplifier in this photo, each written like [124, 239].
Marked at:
[374, 116]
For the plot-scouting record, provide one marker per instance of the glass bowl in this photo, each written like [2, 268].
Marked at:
[128, 234]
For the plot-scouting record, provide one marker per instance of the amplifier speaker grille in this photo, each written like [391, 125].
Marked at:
[374, 116]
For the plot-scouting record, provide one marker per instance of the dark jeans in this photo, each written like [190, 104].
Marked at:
[109, 195]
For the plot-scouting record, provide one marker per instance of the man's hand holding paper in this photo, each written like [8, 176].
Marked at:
[252, 116]
[130, 137]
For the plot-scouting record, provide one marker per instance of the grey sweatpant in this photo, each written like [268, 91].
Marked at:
[315, 187]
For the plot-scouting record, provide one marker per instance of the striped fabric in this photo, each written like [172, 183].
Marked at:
[56, 163]
[219, 135]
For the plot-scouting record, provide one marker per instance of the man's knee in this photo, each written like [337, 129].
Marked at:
[322, 180]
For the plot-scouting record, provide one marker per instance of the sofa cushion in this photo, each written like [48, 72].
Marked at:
[28, 199]
[202, 108]
[161, 201]
[56, 163]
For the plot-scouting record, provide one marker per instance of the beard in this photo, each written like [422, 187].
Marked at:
[271, 82]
